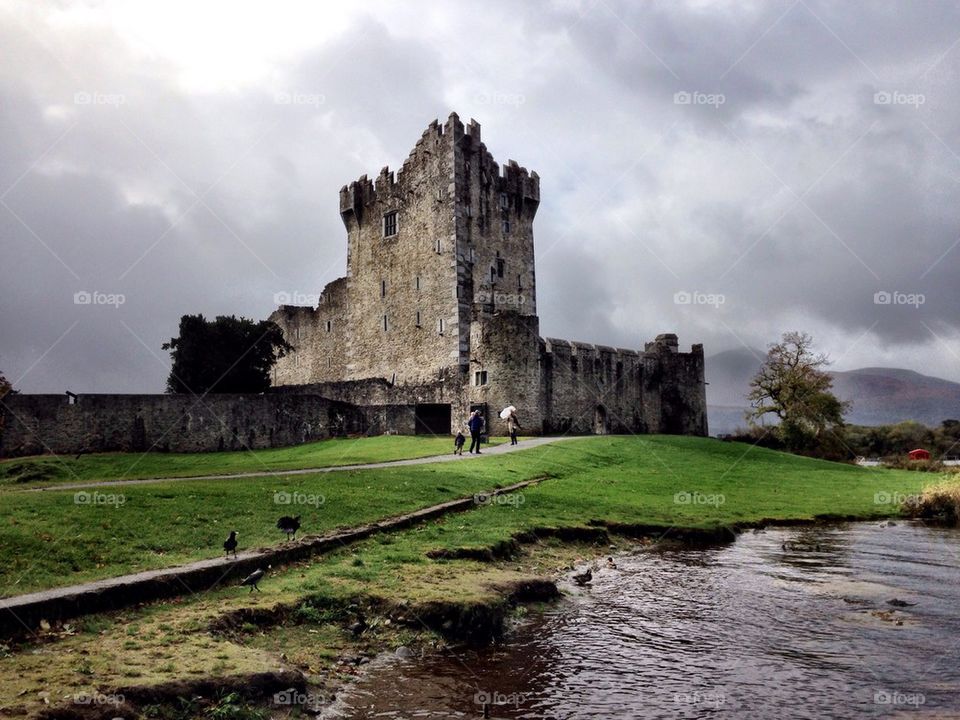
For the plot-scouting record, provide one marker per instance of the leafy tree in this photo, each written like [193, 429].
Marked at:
[792, 386]
[226, 355]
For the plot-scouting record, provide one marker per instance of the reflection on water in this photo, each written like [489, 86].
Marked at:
[787, 623]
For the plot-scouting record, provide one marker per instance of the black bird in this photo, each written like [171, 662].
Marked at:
[230, 544]
[583, 578]
[289, 525]
[252, 579]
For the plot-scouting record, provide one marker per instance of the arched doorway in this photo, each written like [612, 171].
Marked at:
[600, 420]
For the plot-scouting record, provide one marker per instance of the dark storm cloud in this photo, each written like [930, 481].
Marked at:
[726, 171]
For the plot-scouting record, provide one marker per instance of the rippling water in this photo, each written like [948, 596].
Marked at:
[787, 623]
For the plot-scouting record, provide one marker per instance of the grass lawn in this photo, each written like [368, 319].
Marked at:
[51, 470]
[48, 540]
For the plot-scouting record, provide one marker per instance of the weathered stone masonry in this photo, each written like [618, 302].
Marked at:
[437, 312]
[37, 424]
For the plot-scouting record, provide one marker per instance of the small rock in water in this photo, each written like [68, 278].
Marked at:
[404, 652]
[897, 602]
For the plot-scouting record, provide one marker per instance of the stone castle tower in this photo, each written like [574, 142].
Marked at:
[437, 313]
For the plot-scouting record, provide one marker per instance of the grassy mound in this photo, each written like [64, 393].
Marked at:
[47, 470]
[58, 538]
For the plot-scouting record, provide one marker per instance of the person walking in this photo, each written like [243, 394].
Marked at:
[513, 424]
[475, 423]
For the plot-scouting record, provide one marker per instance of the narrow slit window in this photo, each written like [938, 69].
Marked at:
[417, 282]
[440, 326]
[329, 325]
[439, 246]
[383, 288]
[384, 323]
[501, 267]
[418, 319]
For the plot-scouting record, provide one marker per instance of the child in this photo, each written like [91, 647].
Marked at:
[458, 443]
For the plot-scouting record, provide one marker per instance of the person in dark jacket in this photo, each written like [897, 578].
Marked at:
[475, 423]
[513, 424]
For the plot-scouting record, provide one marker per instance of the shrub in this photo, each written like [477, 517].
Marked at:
[938, 503]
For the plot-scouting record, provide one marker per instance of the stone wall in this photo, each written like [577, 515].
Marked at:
[600, 389]
[36, 424]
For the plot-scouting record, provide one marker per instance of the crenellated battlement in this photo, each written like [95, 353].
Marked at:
[440, 296]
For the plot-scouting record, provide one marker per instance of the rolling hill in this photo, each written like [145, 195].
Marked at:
[880, 395]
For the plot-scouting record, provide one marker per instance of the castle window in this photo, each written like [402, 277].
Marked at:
[390, 224]
[440, 194]
[501, 266]
[417, 282]
[383, 288]
[418, 319]
[384, 323]
[506, 227]
[440, 326]
[504, 201]
[519, 282]
[493, 275]
[329, 325]
[480, 378]
[439, 246]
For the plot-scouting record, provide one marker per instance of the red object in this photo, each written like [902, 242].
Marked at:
[919, 454]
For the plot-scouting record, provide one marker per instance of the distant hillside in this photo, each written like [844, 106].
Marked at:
[880, 395]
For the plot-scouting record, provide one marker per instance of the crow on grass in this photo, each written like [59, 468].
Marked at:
[289, 525]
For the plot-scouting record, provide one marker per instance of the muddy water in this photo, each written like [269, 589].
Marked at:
[785, 623]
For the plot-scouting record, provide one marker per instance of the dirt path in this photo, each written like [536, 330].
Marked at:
[492, 450]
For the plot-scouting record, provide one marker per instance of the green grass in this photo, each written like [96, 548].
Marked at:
[52, 470]
[49, 540]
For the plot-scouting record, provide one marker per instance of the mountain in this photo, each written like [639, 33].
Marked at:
[880, 395]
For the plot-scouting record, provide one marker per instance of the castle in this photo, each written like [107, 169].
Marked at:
[437, 314]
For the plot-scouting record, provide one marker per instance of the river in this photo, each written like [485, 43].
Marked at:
[783, 623]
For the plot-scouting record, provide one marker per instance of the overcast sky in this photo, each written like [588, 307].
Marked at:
[723, 170]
